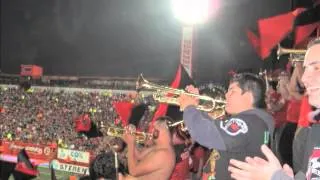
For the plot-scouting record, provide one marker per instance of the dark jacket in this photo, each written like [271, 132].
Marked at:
[236, 137]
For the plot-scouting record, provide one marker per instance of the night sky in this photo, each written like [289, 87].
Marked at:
[124, 38]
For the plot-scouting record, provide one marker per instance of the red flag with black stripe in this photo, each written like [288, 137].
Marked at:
[123, 109]
[306, 23]
[303, 32]
[256, 43]
[24, 168]
[83, 123]
[272, 31]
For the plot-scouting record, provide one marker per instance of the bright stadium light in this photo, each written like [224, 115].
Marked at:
[191, 12]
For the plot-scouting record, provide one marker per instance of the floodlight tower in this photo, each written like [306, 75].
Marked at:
[190, 13]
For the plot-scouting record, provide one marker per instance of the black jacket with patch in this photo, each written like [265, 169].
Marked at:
[236, 137]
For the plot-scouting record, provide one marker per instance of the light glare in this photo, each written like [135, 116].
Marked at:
[191, 11]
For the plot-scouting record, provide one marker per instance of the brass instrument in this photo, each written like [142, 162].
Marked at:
[294, 58]
[180, 124]
[162, 95]
[266, 76]
[282, 51]
[141, 137]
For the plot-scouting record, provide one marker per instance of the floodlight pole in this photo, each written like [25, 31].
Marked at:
[187, 48]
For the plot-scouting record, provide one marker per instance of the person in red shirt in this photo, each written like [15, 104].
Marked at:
[198, 156]
[305, 109]
[277, 102]
[295, 92]
[277, 106]
[181, 142]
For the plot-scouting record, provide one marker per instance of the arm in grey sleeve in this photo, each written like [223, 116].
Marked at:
[203, 129]
[281, 175]
[300, 176]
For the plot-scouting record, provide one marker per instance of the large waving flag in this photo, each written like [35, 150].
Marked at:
[272, 30]
[306, 23]
[256, 43]
[123, 109]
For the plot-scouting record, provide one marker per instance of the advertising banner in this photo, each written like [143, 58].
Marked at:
[69, 167]
[31, 70]
[73, 156]
[33, 150]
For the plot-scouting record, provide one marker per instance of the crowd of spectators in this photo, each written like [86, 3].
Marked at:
[47, 116]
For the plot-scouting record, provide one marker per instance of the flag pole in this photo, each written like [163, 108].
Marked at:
[116, 164]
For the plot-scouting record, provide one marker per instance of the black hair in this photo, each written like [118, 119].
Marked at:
[103, 166]
[249, 82]
[314, 42]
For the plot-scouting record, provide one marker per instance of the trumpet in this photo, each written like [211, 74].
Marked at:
[141, 137]
[207, 103]
[294, 58]
[180, 124]
[282, 51]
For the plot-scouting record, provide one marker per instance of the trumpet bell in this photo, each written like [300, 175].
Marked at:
[141, 83]
[282, 51]
[294, 58]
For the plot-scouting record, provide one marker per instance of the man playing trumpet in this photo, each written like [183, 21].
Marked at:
[155, 162]
[241, 134]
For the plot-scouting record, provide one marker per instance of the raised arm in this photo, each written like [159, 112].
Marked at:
[294, 80]
[229, 134]
[202, 128]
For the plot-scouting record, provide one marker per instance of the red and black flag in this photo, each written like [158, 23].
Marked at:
[301, 22]
[84, 124]
[137, 113]
[272, 31]
[256, 43]
[306, 23]
[130, 113]
[123, 109]
[24, 168]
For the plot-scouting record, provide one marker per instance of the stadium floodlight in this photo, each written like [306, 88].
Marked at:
[191, 12]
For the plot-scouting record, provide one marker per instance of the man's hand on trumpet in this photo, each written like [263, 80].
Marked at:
[187, 100]
[130, 134]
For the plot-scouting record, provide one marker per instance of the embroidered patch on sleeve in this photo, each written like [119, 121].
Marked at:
[313, 171]
[234, 126]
